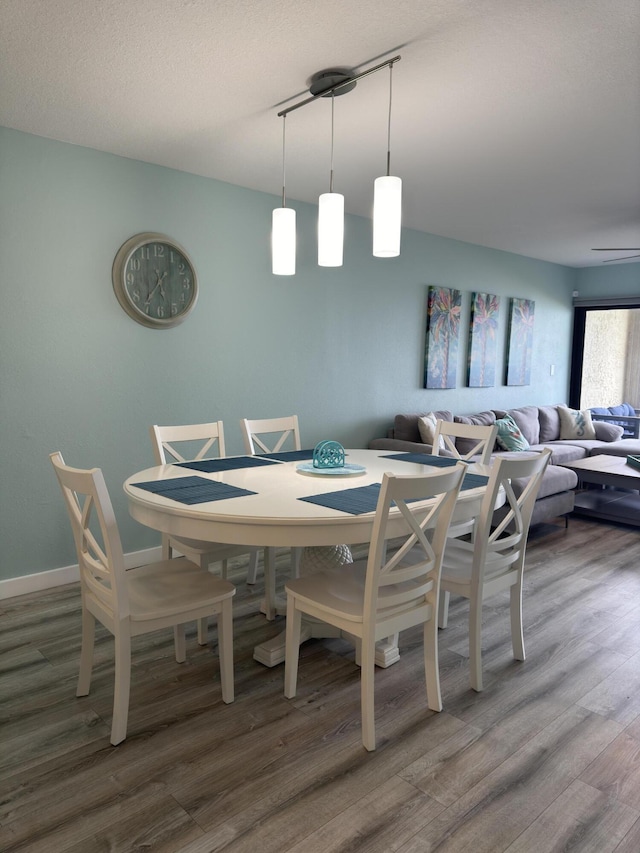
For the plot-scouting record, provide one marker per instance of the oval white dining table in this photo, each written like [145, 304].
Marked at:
[275, 516]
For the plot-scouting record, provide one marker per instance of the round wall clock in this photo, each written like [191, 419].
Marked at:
[154, 280]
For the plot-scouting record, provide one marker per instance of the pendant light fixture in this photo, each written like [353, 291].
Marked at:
[387, 192]
[387, 201]
[330, 218]
[283, 226]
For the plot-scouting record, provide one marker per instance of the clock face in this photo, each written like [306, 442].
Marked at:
[154, 280]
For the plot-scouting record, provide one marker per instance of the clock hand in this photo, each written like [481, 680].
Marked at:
[160, 278]
[158, 285]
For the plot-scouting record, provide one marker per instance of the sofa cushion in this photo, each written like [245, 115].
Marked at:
[549, 420]
[427, 429]
[623, 447]
[509, 435]
[554, 480]
[466, 445]
[527, 419]
[563, 451]
[575, 423]
[405, 427]
[606, 431]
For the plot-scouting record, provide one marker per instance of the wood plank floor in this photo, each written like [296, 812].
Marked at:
[546, 759]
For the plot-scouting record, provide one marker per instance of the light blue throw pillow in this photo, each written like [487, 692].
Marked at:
[509, 435]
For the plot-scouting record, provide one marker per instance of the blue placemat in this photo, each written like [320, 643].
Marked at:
[354, 501]
[288, 455]
[470, 481]
[229, 463]
[193, 490]
[423, 459]
[473, 481]
[363, 499]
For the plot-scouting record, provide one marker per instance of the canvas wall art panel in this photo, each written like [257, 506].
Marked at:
[483, 340]
[520, 342]
[443, 331]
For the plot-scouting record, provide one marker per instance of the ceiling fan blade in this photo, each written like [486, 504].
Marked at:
[619, 249]
[628, 257]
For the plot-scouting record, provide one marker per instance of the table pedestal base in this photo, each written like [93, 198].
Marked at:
[272, 652]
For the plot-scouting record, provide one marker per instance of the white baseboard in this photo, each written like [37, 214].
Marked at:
[67, 574]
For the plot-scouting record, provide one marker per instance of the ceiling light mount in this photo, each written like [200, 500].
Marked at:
[332, 81]
[348, 82]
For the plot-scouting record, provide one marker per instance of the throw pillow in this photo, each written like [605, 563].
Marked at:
[427, 427]
[466, 445]
[527, 418]
[606, 431]
[575, 423]
[509, 435]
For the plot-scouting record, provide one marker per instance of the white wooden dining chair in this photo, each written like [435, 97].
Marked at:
[493, 560]
[147, 598]
[479, 441]
[379, 597]
[482, 440]
[187, 443]
[271, 435]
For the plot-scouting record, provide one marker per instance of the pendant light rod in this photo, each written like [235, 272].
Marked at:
[389, 120]
[284, 142]
[331, 167]
[334, 89]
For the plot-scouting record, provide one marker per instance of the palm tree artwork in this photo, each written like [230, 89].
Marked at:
[483, 340]
[520, 346]
[443, 330]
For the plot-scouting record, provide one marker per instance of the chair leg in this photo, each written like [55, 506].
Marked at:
[179, 642]
[292, 648]
[225, 569]
[367, 709]
[475, 643]
[443, 609]
[517, 635]
[86, 653]
[252, 568]
[203, 632]
[296, 557]
[225, 650]
[167, 550]
[270, 583]
[203, 624]
[431, 666]
[122, 684]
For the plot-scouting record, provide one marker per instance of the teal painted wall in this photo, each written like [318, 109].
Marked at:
[609, 280]
[341, 348]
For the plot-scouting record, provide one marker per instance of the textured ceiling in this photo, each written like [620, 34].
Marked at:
[516, 125]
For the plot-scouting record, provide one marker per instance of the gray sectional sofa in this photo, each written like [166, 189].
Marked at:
[540, 426]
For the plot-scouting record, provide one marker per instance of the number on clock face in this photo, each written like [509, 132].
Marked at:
[159, 281]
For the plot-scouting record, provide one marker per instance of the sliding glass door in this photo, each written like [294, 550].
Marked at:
[605, 367]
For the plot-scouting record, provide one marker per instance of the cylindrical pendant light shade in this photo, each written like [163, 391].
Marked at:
[330, 229]
[283, 241]
[387, 216]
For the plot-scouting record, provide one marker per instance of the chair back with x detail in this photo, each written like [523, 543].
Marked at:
[493, 559]
[484, 438]
[203, 441]
[147, 598]
[383, 595]
[278, 430]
